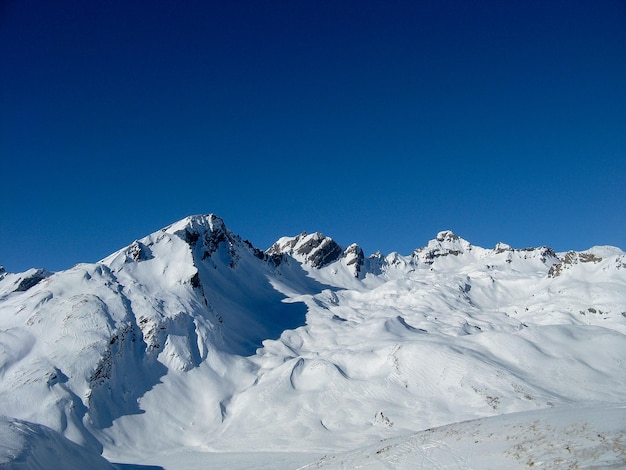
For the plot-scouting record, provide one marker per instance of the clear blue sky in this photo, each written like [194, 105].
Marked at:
[376, 122]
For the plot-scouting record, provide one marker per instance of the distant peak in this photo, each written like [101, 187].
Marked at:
[353, 256]
[447, 236]
[316, 249]
[502, 247]
[445, 243]
[193, 227]
[449, 240]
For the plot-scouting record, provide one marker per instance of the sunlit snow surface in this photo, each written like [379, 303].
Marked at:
[585, 437]
[190, 347]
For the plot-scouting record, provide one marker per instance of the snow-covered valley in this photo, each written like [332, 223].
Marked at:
[192, 348]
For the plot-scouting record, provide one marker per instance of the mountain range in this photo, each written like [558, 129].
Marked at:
[193, 348]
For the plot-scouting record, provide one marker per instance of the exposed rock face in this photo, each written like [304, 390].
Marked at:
[447, 236]
[32, 280]
[354, 258]
[572, 258]
[446, 243]
[315, 249]
[502, 247]
[210, 231]
[137, 251]
[548, 255]
[207, 234]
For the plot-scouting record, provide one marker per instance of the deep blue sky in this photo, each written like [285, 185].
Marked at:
[379, 123]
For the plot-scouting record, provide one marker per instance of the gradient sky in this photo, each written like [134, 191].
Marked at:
[376, 122]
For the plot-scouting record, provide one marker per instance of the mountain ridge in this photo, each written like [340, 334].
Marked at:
[276, 347]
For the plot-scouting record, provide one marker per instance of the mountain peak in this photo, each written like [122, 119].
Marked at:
[197, 224]
[446, 236]
[445, 243]
[316, 249]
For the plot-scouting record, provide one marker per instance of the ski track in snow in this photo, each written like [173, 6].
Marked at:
[190, 346]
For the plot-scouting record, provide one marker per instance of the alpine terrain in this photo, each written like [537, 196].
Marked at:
[192, 348]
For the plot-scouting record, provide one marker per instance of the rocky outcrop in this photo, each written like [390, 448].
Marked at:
[445, 244]
[315, 249]
[354, 258]
[137, 251]
[502, 248]
[210, 231]
[32, 279]
[571, 258]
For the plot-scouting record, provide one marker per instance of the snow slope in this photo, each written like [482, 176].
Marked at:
[32, 446]
[191, 338]
[583, 437]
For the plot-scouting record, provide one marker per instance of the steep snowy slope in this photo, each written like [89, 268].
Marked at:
[193, 338]
[32, 446]
[80, 347]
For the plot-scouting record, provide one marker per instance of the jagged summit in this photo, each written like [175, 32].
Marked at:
[444, 244]
[205, 235]
[208, 230]
[447, 236]
[502, 247]
[197, 224]
[315, 249]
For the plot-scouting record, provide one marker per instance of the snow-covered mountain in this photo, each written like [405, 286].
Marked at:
[192, 346]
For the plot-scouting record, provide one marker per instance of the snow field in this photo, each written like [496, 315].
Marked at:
[192, 346]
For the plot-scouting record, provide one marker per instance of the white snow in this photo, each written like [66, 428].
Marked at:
[191, 347]
[31, 446]
[582, 437]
